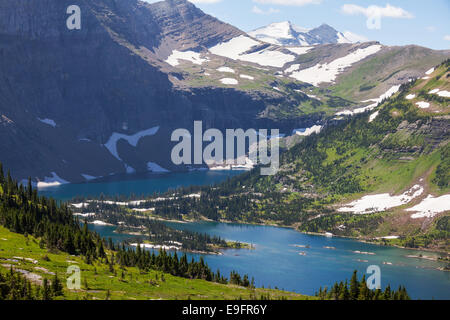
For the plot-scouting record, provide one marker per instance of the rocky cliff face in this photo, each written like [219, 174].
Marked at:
[64, 93]
[184, 26]
[102, 100]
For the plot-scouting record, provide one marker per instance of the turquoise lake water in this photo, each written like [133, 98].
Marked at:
[139, 185]
[276, 261]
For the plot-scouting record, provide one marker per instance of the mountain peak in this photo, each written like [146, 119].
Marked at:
[287, 33]
[174, 5]
[325, 26]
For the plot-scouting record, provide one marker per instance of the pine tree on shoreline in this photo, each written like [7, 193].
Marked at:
[358, 290]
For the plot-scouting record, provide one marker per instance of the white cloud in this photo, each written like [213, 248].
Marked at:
[371, 11]
[257, 10]
[447, 38]
[375, 13]
[288, 2]
[431, 28]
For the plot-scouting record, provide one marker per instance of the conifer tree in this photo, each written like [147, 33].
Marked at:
[46, 290]
[354, 286]
[2, 176]
[363, 289]
[387, 293]
[56, 286]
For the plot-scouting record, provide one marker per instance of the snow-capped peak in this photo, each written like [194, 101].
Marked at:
[276, 33]
[279, 29]
[299, 29]
[286, 33]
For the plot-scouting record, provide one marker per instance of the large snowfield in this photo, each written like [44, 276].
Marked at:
[328, 72]
[235, 49]
[431, 206]
[381, 202]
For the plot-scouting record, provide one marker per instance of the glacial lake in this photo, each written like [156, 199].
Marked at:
[142, 184]
[280, 257]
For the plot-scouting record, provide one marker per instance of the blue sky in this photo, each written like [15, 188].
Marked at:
[402, 22]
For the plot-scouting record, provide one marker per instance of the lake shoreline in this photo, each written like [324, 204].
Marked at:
[362, 240]
[213, 179]
[275, 248]
[314, 234]
[232, 245]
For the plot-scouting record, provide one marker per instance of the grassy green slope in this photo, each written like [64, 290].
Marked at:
[99, 279]
[376, 72]
[296, 102]
[402, 146]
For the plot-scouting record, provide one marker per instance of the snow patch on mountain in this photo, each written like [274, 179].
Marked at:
[292, 68]
[382, 202]
[129, 169]
[156, 168]
[88, 177]
[307, 131]
[244, 76]
[393, 90]
[429, 72]
[191, 56]
[133, 140]
[269, 58]
[430, 207]
[373, 116]
[328, 72]
[299, 50]
[235, 49]
[226, 69]
[285, 33]
[79, 205]
[229, 81]
[443, 93]
[278, 30]
[423, 105]
[52, 181]
[49, 122]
